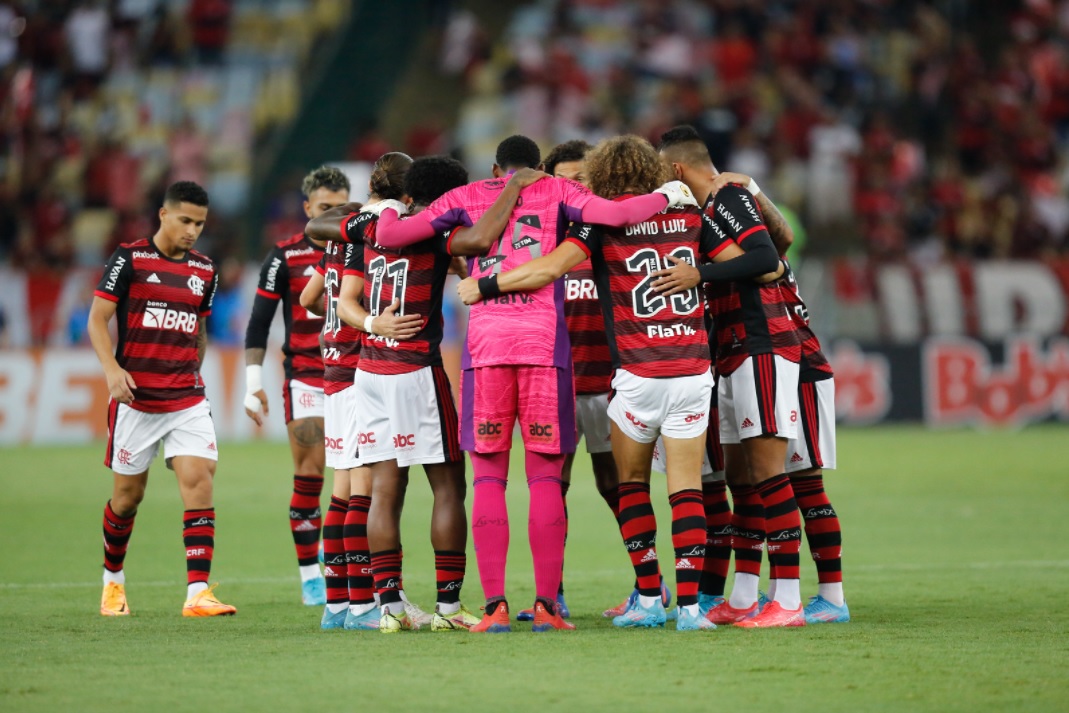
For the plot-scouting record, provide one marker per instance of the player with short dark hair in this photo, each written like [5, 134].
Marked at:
[757, 362]
[662, 380]
[517, 151]
[160, 291]
[517, 365]
[285, 271]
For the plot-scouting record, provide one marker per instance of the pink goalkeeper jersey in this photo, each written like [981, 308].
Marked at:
[520, 327]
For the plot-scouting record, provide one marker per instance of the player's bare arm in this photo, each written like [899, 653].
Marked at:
[529, 276]
[328, 225]
[778, 227]
[312, 294]
[683, 276]
[477, 239]
[388, 324]
[121, 385]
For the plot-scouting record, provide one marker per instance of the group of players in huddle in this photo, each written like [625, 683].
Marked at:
[605, 303]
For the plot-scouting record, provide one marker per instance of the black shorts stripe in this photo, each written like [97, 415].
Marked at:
[808, 404]
[764, 376]
[113, 416]
[287, 401]
[447, 415]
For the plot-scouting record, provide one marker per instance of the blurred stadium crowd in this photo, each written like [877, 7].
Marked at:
[897, 129]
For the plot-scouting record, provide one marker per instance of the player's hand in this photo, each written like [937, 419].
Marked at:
[468, 291]
[254, 403]
[459, 267]
[377, 208]
[679, 278]
[724, 179]
[121, 385]
[678, 194]
[526, 176]
[390, 324]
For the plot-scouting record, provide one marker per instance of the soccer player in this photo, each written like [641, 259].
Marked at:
[341, 354]
[160, 291]
[286, 270]
[814, 448]
[660, 353]
[758, 353]
[517, 365]
[590, 357]
[353, 484]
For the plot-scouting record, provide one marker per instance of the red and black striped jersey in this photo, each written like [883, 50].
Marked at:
[750, 318]
[341, 343]
[814, 365]
[160, 301]
[649, 334]
[284, 274]
[415, 276]
[586, 331]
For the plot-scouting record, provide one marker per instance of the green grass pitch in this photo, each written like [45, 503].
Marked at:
[956, 569]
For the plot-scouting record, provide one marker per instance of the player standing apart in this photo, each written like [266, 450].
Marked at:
[517, 365]
[758, 352]
[285, 272]
[160, 291]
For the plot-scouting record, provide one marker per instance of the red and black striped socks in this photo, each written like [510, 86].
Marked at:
[823, 533]
[688, 540]
[198, 535]
[386, 566]
[449, 574]
[305, 521]
[117, 532]
[639, 529]
[335, 570]
[747, 543]
[717, 538]
[783, 527]
[357, 555]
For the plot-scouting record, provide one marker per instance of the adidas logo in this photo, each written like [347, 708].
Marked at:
[328, 572]
[796, 458]
[309, 271]
[684, 564]
[211, 446]
[650, 555]
[153, 278]
[746, 423]
[305, 526]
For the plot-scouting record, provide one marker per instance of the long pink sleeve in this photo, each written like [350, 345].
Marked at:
[392, 232]
[617, 214]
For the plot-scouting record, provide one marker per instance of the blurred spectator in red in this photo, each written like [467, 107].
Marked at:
[210, 22]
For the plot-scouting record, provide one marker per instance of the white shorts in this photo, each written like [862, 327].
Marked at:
[134, 436]
[815, 445]
[760, 398]
[592, 422]
[302, 400]
[645, 408]
[339, 428]
[660, 463]
[408, 417]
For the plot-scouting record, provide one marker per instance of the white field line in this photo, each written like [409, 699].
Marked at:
[876, 568]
